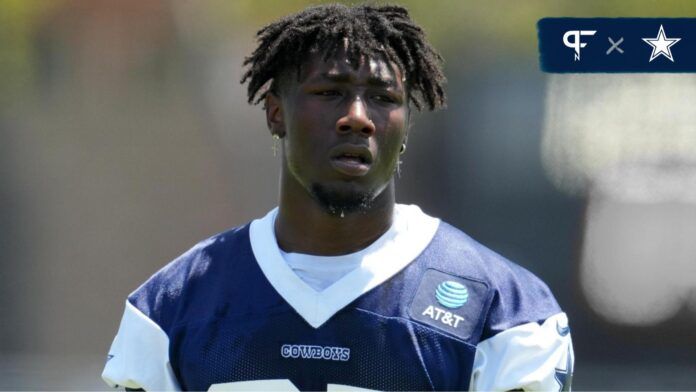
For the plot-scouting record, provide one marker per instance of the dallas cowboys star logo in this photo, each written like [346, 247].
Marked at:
[564, 377]
[661, 45]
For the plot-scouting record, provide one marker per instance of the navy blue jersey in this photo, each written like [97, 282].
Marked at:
[431, 310]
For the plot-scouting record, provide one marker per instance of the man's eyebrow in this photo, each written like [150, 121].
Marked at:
[342, 77]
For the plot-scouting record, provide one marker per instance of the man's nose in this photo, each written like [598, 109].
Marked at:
[356, 119]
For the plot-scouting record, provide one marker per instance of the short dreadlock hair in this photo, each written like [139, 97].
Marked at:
[384, 31]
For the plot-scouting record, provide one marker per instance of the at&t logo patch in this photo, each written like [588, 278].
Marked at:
[450, 303]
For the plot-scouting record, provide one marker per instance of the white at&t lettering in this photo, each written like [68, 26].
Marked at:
[443, 316]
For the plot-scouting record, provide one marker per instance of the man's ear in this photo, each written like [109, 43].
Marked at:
[274, 114]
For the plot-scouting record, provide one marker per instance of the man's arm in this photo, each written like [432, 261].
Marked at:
[531, 356]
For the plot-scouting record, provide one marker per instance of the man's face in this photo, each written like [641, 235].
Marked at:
[344, 128]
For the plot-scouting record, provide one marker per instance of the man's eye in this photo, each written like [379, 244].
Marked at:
[328, 93]
[384, 98]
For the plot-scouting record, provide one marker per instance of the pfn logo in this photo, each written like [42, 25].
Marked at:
[576, 44]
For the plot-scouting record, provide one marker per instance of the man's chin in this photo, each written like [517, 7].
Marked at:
[340, 200]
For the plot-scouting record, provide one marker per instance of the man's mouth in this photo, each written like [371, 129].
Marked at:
[351, 160]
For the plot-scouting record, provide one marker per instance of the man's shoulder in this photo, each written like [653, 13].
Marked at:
[199, 266]
[463, 254]
[516, 295]
[453, 251]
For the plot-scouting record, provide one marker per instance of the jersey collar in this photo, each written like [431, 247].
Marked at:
[410, 234]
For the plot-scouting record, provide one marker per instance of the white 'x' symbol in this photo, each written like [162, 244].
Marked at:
[615, 45]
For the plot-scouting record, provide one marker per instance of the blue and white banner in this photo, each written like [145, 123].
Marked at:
[578, 45]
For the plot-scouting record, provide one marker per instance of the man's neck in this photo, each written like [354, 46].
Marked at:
[304, 226]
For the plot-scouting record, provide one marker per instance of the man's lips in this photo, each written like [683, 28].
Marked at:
[351, 160]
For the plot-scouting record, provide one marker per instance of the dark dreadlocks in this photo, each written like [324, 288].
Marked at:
[371, 31]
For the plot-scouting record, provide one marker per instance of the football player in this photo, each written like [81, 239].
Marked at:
[339, 287]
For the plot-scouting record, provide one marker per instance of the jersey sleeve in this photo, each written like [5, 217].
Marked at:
[139, 355]
[532, 357]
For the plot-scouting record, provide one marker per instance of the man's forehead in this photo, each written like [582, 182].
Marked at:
[340, 66]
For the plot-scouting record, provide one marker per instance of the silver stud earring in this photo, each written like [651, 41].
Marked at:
[275, 145]
[398, 161]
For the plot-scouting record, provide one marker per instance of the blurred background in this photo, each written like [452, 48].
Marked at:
[125, 137]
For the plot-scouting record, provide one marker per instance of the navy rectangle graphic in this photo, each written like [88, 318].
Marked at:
[578, 45]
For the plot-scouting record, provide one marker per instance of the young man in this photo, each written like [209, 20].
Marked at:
[339, 286]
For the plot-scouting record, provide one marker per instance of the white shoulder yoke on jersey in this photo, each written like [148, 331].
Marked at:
[139, 355]
[530, 356]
